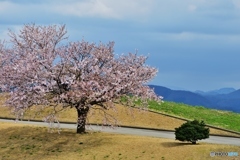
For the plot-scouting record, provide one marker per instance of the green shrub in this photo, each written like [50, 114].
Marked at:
[192, 131]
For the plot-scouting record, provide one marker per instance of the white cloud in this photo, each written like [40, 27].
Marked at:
[5, 6]
[236, 3]
[192, 7]
[105, 8]
[191, 36]
[17, 9]
[85, 8]
[183, 32]
[188, 36]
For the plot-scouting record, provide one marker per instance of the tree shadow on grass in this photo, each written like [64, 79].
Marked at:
[177, 144]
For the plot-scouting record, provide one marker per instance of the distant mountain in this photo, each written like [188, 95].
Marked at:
[235, 94]
[180, 96]
[223, 99]
[216, 92]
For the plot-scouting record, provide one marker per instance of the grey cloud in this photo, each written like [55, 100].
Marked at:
[195, 44]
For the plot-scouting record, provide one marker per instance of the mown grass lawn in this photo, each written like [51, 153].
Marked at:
[20, 141]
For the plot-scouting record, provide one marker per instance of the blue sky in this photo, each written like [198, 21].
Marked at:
[195, 44]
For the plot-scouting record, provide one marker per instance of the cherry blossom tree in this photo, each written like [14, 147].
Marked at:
[39, 69]
[3, 61]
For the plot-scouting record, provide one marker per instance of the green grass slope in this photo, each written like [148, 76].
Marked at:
[223, 119]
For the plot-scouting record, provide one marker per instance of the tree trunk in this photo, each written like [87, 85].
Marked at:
[194, 141]
[82, 116]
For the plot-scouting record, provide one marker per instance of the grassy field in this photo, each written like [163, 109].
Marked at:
[125, 116]
[19, 141]
[139, 118]
[223, 119]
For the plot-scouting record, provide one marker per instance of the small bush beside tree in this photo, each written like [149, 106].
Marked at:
[192, 131]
